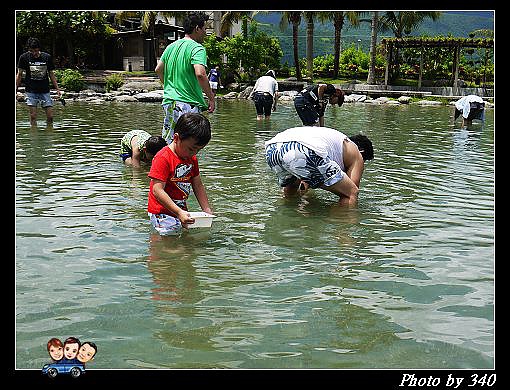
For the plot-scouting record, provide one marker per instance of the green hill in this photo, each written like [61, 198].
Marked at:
[454, 23]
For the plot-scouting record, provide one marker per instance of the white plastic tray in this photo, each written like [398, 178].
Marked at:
[202, 219]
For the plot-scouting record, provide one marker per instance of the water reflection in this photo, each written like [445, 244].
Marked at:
[276, 282]
[170, 262]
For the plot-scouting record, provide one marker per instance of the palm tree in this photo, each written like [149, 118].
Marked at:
[231, 17]
[309, 16]
[338, 18]
[405, 22]
[293, 17]
[373, 47]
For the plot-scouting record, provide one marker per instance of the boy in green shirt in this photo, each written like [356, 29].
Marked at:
[182, 70]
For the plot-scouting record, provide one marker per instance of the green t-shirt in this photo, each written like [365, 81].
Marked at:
[180, 81]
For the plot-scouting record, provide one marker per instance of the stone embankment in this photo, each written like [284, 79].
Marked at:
[151, 92]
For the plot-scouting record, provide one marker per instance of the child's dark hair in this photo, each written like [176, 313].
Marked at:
[194, 125]
[364, 145]
[154, 144]
[194, 19]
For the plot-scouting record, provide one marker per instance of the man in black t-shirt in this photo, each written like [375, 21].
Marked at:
[311, 102]
[38, 67]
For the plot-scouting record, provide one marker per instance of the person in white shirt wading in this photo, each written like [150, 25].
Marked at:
[471, 107]
[265, 94]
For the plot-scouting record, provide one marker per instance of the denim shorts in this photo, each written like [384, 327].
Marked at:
[33, 99]
[165, 224]
[291, 160]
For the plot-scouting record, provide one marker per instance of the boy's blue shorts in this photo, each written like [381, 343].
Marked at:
[125, 156]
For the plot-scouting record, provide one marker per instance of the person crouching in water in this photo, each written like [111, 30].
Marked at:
[311, 102]
[471, 107]
[138, 145]
[319, 157]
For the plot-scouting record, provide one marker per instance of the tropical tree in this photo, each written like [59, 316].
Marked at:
[230, 17]
[373, 48]
[82, 31]
[405, 22]
[258, 53]
[294, 18]
[338, 18]
[309, 17]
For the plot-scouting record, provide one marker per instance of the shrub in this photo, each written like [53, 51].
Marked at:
[70, 79]
[354, 56]
[113, 82]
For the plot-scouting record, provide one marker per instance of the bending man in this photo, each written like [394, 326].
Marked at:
[320, 157]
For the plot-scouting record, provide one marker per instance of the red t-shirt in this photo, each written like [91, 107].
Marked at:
[167, 166]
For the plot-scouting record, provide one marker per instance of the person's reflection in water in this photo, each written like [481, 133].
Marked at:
[171, 263]
[309, 219]
[347, 220]
[136, 181]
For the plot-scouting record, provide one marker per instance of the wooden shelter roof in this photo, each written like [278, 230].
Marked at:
[438, 42]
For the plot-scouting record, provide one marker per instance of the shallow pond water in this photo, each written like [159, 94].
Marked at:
[404, 280]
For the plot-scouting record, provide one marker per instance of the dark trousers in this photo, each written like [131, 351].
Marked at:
[263, 103]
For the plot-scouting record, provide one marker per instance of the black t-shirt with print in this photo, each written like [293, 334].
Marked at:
[37, 71]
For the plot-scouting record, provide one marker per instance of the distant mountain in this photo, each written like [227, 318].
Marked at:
[454, 23]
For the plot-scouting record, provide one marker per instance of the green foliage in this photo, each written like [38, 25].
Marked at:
[475, 65]
[70, 79]
[113, 82]
[354, 56]
[71, 31]
[76, 25]
[323, 65]
[214, 49]
[354, 63]
[256, 53]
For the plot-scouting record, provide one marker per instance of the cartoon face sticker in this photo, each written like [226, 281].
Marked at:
[71, 347]
[86, 352]
[55, 349]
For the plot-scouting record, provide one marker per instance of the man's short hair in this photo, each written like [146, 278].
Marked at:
[364, 146]
[33, 43]
[194, 19]
[93, 345]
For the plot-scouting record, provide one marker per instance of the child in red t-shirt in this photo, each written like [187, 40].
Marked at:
[174, 172]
